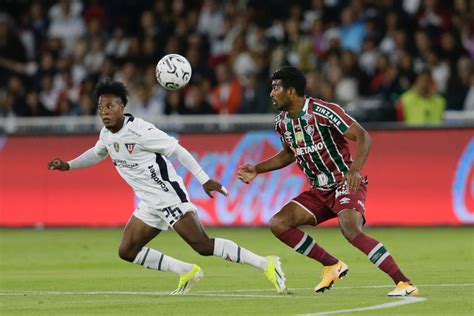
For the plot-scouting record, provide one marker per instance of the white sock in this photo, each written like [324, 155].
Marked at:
[229, 250]
[153, 259]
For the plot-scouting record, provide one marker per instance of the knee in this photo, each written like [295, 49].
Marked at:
[350, 233]
[204, 247]
[127, 253]
[278, 225]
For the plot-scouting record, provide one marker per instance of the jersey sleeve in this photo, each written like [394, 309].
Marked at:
[90, 157]
[156, 140]
[277, 127]
[333, 115]
[100, 149]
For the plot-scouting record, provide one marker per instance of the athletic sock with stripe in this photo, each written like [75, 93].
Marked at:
[379, 255]
[153, 259]
[305, 244]
[229, 250]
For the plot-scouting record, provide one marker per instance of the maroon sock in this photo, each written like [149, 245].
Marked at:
[304, 244]
[379, 256]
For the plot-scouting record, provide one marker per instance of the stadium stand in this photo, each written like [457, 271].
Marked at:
[363, 54]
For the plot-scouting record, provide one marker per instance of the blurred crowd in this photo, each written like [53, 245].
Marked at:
[414, 57]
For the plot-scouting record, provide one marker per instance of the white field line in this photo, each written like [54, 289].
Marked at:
[402, 301]
[216, 293]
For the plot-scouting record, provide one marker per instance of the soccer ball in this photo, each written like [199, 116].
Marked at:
[173, 72]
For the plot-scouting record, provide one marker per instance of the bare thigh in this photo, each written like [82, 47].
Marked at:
[135, 236]
[291, 215]
[191, 230]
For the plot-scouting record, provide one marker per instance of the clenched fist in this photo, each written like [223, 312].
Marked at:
[58, 164]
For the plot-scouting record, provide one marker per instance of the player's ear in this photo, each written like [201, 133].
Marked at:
[292, 92]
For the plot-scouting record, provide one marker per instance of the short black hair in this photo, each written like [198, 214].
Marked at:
[291, 77]
[108, 86]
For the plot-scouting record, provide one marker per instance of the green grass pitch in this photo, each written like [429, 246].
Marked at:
[77, 272]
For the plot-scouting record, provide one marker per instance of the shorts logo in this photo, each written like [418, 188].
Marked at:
[342, 190]
[117, 147]
[361, 204]
[345, 200]
[130, 147]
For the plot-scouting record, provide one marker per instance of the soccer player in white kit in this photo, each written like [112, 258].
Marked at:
[139, 152]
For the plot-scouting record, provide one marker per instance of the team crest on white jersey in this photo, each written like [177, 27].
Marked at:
[117, 147]
[309, 130]
[130, 147]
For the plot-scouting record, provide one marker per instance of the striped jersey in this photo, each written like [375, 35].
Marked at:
[139, 152]
[316, 138]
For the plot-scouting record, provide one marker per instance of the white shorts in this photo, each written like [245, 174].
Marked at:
[163, 218]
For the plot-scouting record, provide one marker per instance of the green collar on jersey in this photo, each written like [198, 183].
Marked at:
[304, 110]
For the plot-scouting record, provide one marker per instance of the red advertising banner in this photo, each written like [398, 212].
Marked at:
[416, 177]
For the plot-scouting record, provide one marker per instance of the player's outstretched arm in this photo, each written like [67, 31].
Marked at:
[188, 161]
[58, 164]
[86, 159]
[248, 172]
[212, 185]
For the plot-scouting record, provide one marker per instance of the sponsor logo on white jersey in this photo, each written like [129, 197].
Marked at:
[135, 133]
[157, 180]
[124, 164]
[117, 147]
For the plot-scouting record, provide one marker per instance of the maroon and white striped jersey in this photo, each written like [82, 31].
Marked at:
[316, 138]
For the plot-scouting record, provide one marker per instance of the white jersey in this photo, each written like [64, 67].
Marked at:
[139, 152]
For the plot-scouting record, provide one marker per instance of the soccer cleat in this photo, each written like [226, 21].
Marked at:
[186, 281]
[275, 274]
[404, 289]
[330, 275]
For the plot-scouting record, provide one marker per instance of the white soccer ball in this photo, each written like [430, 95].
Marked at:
[173, 71]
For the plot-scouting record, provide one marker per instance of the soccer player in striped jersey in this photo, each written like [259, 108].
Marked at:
[313, 133]
[140, 154]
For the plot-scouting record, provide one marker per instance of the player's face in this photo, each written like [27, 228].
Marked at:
[110, 110]
[279, 95]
